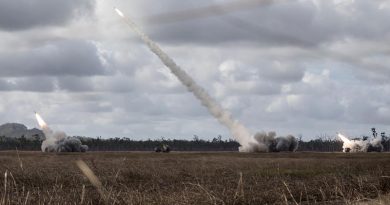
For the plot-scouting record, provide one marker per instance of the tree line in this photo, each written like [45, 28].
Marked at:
[320, 144]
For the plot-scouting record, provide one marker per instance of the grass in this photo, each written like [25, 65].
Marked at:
[194, 178]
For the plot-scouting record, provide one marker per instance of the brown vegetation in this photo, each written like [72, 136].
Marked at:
[193, 178]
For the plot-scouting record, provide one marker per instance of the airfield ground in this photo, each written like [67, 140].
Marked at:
[195, 178]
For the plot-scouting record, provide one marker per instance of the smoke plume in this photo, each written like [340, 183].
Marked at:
[57, 141]
[372, 145]
[270, 143]
[240, 132]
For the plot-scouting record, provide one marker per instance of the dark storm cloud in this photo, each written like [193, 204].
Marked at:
[25, 14]
[69, 57]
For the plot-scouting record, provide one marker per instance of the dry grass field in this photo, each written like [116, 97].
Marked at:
[195, 178]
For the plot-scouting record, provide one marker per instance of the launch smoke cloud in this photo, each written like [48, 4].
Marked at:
[57, 141]
[248, 142]
[372, 145]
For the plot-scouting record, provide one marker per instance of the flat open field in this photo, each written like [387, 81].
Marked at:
[194, 178]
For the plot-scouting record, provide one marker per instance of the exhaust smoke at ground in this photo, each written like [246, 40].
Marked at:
[270, 143]
[358, 145]
[240, 132]
[57, 141]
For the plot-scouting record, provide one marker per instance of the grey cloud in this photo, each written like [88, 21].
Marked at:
[368, 113]
[246, 88]
[68, 57]
[297, 23]
[254, 24]
[369, 105]
[91, 107]
[75, 84]
[25, 14]
[206, 11]
[317, 107]
[281, 72]
[266, 78]
[161, 106]
[32, 84]
[374, 67]
[135, 96]
[112, 83]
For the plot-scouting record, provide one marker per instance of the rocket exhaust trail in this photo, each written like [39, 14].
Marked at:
[343, 138]
[58, 141]
[41, 122]
[239, 131]
[365, 145]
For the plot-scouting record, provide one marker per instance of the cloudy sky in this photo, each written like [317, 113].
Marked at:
[302, 67]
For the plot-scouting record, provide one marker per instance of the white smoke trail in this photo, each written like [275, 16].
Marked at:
[58, 141]
[239, 131]
[50, 137]
[262, 143]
